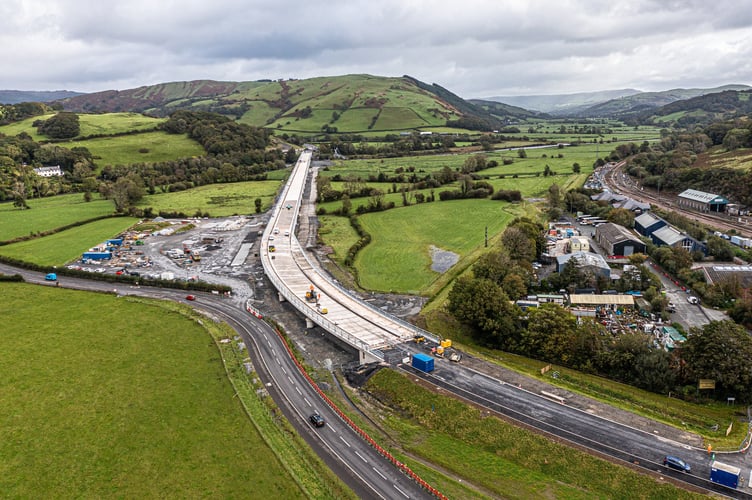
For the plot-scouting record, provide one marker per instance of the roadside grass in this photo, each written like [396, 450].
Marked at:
[60, 248]
[145, 147]
[692, 417]
[109, 397]
[339, 234]
[398, 259]
[49, 213]
[218, 200]
[697, 418]
[505, 459]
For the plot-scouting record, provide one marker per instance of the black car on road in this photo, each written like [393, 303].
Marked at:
[317, 420]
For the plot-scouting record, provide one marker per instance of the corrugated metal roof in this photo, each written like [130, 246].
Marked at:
[647, 219]
[616, 233]
[694, 195]
[668, 235]
[601, 300]
[585, 258]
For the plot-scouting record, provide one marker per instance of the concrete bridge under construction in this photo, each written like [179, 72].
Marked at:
[322, 301]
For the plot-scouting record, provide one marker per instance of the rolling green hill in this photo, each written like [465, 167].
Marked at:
[645, 102]
[350, 103]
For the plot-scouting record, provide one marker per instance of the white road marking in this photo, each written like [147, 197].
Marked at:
[403, 493]
[267, 338]
[277, 360]
[298, 391]
[284, 370]
[361, 457]
[290, 379]
[307, 402]
[343, 440]
[379, 473]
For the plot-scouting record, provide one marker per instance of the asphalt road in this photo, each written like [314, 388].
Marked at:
[355, 461]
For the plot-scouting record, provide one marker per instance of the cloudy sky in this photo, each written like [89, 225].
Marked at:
[476, 48]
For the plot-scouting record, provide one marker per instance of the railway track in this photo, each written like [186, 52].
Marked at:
[619, 182]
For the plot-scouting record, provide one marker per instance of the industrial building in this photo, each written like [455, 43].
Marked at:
[672, 237]
[589, 261]
[646, 223]
[615, 239]
[702, 202]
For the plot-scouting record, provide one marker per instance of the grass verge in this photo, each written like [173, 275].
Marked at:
[504, 459]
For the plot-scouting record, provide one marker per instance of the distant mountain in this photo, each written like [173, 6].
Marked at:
[17, 96]
[350, 103]
[508, 113]
[562, 104]
[644, 102]
[703, 109]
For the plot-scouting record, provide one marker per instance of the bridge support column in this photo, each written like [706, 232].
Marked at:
[281, 298]
[365, 357]
[309, 323]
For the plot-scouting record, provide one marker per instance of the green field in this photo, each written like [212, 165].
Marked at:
[502, 459]
[146, 147]
[63, 247]
[49, 213]
[91, 124]
[398, 258]
[218, 200]
[104, 397]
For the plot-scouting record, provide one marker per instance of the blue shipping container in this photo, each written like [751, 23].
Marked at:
[423, 362]
[97, 255]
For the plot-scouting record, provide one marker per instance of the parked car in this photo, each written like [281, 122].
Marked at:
[693, 300]
[671, 307]
[676, 463]
[317, 420]
[190, 297]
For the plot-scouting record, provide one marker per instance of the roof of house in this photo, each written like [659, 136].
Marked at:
[694, 195]
[669, 235]
[586, 258]
[601, 300]
[616, 233]
[647, 219]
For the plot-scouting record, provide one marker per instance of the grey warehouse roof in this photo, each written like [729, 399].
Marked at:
[586, 258]
[647, 219]
[694, 195]
[669, 235]
[616, 233]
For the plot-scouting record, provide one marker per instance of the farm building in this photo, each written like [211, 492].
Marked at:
[700, 201]
[618, 240]
[646, 223]
[589, 261]
[672, 237]
[608, 197]
[55, 171]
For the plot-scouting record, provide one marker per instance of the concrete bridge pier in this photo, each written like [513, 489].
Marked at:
[365, 357]
[281, 297]
[309, 324]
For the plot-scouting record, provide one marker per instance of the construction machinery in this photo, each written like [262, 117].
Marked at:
[311, 295]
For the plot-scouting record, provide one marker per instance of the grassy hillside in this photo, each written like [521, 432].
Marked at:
[350, 103]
